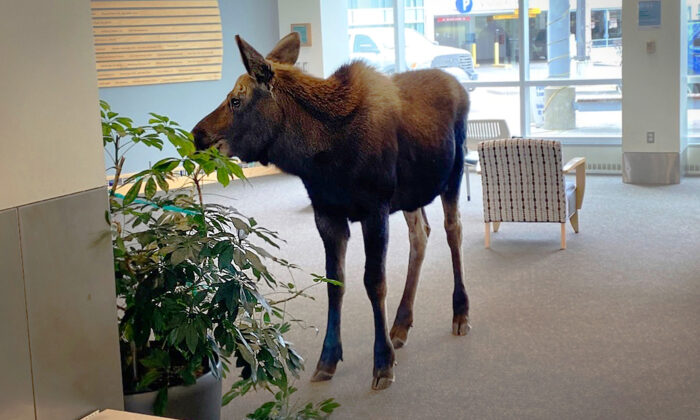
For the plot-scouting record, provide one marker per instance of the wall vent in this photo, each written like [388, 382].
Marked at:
[692, 169]
[603, 168]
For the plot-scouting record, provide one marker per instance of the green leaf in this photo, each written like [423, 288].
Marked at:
[130, 196]
[178, 256]
[151, 188]
[222, 177]
[148, 379]
[157, 359]
[160, 402]
[226, 257]
[166, 165]
[125, 121]
[162, 183]
[329, 405]
[235, 169]
[189, 166]
[191, 338]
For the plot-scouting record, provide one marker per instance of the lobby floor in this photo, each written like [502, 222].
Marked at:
[606, 329]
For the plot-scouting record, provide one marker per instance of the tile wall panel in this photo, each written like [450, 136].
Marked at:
[71, 305]
[16, 399]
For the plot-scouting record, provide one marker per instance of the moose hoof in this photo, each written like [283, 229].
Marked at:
[460, 325]
[383, 380]
[399, 336]
[322, 375]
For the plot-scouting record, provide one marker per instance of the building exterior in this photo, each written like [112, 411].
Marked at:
[494, 22]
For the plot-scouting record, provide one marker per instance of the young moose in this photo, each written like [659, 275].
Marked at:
[364, 145]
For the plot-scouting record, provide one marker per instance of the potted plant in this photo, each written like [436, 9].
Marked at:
[188, 278]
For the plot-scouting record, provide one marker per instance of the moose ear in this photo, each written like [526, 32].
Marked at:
[287, 49]
[254, 63]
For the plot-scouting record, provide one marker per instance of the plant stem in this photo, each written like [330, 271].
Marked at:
[133, 362]
[117, 174]
[197, 185]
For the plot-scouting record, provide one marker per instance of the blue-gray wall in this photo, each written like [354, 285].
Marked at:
[255, 20]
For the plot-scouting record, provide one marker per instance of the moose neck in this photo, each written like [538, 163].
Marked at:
[313, 110]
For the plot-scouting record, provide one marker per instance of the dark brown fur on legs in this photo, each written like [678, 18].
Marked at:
[364, 145]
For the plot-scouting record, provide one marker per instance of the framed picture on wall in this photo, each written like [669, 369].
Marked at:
[304, 30]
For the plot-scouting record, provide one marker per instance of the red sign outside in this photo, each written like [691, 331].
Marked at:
[453, 19]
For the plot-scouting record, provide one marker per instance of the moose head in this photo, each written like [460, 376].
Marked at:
[246, 122]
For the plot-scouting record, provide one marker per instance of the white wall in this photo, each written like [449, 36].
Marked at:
[329, 32]
[653, 88]
[47, 59]
[304, 11]
[334, 29]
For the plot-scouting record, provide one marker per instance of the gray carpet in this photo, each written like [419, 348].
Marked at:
[606, 329]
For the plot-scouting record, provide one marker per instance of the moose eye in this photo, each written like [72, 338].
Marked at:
[235, 103]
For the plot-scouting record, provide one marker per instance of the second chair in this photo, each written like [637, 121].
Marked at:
[523, 181]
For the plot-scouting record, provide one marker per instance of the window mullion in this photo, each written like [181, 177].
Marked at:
[399, 35]
[524, 67]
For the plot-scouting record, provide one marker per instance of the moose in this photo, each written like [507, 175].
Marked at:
[365, 145]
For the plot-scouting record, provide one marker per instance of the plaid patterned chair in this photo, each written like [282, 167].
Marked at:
[523, 181]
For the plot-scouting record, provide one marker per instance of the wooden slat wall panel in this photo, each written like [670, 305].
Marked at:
[163, 46]
[157, 4]
[123, 13]
[159, 29]
[154, 55]
[184, 20]
[130, 39]
[157, 41]
[161, 71]
[159, 80]
[119, 65]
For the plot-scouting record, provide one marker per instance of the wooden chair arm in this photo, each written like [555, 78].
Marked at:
[578, 163]
[574, 163]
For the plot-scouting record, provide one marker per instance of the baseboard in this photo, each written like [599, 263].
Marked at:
[182, 181]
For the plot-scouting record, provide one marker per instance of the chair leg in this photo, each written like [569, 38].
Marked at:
[487, 235]
[574, 221]
[496, 225]
[466, 178]
[563, 236]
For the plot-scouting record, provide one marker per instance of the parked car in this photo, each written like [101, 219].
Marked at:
[376, 47]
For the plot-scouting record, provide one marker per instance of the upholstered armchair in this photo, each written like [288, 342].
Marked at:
[523, 181]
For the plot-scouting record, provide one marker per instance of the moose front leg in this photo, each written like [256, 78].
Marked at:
[334, 233]
[375, 230]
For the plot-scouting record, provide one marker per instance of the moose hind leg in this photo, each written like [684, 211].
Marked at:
[334, 233]
[453, 228]
[375, 230]
[418, 232]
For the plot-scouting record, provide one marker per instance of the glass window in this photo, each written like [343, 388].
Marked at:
[576, 111]
[364, 44]
[488, 39]
[570, 42]
[497, 103]
[371, 33]
[565, 45]
[693, 68]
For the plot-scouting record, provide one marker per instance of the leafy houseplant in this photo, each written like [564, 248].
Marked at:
[189, 277]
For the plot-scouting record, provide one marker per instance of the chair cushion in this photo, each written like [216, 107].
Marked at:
[570, 199]
[472, 157]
